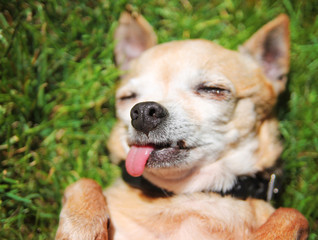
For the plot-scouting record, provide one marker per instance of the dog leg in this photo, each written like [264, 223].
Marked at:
[84, 214]
[283, 224]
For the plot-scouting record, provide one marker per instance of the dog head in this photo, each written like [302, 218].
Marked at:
[193, 115]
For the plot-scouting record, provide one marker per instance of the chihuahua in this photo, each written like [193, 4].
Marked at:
[196, 130]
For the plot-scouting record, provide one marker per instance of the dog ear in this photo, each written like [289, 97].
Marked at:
[133, 35]
[269, 46]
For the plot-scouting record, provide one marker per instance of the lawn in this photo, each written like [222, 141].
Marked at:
[57, 84]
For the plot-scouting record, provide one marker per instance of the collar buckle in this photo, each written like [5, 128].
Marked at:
[271, 189]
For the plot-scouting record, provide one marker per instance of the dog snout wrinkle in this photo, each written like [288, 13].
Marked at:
[146, 116]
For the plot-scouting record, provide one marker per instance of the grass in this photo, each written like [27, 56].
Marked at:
[57, 95]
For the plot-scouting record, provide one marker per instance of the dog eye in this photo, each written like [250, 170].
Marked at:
[215, 92]
[129, 96]
[212, 90]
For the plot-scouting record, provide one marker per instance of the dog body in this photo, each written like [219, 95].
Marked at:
[184, 216]
[192, 118]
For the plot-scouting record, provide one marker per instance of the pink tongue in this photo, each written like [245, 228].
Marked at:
[137, 159]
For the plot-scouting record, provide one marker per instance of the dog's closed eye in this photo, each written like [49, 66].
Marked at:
[215, 92]
[128, 96]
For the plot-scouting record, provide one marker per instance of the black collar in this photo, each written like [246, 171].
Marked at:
[257, 186]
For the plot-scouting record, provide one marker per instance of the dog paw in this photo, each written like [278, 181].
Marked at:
[284, 223]
[73, 230]
[84, 215]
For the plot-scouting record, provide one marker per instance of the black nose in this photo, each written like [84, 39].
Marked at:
[146, 116]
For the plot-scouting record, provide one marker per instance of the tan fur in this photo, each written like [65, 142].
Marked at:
[231, 133]
[85, 213]
[199, 215]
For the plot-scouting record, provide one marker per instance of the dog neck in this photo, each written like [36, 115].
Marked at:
[258, 186]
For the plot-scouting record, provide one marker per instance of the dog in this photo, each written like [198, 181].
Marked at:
[196, 128]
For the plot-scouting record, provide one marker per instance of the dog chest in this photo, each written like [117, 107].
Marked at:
[199, 215]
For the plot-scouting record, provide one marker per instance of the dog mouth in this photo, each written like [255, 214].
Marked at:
[163, 155]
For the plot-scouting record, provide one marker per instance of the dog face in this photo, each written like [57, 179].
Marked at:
[192, 115]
